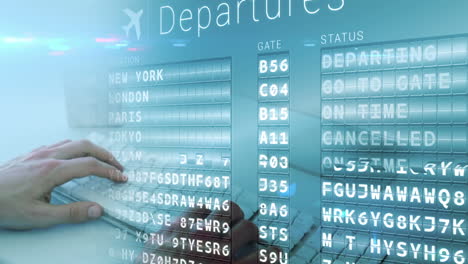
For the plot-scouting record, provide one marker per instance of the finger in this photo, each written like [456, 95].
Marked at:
[28, 155]
[224, 222]
[41, 152]
[58, 144]
[82, 167]
[191, 213]
[47, 197]
[242, 234]
[199, 231]
[39, 148]
[174, 245]
[236, 213]
[69, 213]
[176, 227]
[11, 162]
[84, 148]
[152, 257]
[250, 259]
[24, 157]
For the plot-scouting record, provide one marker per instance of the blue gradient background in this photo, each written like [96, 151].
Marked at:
[33, 108]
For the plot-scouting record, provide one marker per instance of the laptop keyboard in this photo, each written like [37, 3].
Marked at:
[136, 216]
[184, 125]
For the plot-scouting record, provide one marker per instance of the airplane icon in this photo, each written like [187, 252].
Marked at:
[134, 22]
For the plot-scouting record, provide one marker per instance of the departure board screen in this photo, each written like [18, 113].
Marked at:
[283, 132]
[173, 125]
[393, 150]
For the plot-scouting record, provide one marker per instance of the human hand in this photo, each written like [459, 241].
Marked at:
[240, 236]
[27, 182]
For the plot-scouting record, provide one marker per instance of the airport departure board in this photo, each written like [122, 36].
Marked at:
[394, 138]
[338, 127]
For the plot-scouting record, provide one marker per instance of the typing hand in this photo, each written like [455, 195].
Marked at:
[26, 184]
[241, 236]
